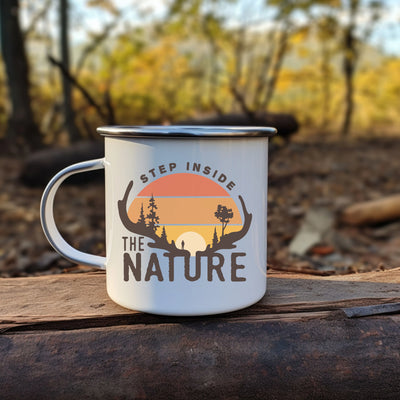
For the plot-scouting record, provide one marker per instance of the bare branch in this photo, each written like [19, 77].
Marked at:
[241, 101]
[213, 83]
[239, 55]
[36, 18]
[275, 68]
[263, 72]
[91, 47]
[84, 92]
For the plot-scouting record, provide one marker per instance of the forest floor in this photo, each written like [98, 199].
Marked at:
[307, 176]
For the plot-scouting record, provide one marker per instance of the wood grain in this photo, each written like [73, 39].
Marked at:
[82, 297]
[61, 337]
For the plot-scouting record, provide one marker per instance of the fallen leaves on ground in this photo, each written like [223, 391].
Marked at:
[304, 175]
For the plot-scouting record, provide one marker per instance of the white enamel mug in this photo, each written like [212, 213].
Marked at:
[186, 217]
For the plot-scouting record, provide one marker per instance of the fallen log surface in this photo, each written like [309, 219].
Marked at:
[41, 166]
[62, 337]
[372, 212]
[286, 124]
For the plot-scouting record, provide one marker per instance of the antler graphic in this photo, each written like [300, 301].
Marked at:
[142, 229]
[226, 241]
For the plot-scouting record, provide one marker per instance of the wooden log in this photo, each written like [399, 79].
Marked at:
[63, 338]
[328, 358]
[286, 124]
[372, 212]
[41, 166]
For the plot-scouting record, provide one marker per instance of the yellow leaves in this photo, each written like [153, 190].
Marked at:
[107, 5]
[300, 35]
[303, 51]
[330, 3]
[286, 78]
[316, 95]
[150, 83]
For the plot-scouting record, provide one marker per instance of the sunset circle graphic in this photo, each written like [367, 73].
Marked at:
[192, 241]
[189, 210]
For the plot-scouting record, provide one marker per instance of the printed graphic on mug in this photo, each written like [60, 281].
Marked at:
[185, 217]
[191, 217]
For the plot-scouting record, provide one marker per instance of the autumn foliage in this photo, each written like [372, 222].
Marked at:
[196, 58]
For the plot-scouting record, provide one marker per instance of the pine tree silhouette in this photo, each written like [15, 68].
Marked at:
[215, 238]
[142, 218]
[164, 234]
[152, 218]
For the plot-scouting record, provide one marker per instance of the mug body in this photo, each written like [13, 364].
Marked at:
[186, 221]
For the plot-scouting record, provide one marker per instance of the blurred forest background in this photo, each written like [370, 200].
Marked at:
[70, 66]
[331, 66]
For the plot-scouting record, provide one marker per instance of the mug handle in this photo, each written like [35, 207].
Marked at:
[47, 216]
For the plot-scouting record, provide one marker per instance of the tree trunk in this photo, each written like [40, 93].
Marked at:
[21, 128]
[69, 115]
[349, 65]
[214, 70]
[348, 70]
[326, 85]
[275, 68]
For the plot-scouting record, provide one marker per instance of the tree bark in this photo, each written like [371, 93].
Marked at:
[296, 343]
[348, 69]
[69, 114]
[21, 128]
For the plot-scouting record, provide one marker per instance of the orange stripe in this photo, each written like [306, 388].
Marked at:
[183, 184]
[178, 210]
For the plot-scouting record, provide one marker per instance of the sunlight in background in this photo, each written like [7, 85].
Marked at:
[142, 62]
[141, 12]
